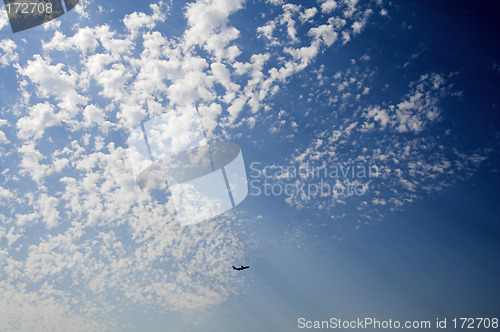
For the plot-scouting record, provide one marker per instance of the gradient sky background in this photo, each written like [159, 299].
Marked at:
[409, 86]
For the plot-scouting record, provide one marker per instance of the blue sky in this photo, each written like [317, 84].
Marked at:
[408, 87]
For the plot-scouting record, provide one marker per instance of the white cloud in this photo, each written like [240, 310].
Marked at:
[209, 116]
[41, 116]
[114, 81]
[133, 22]
[3, 138]
[324, 32]
[47, 207]
[204, 17]
[419, 108]
[267, 31]
[290, 10]
[379, 115]
[97, 62]
[84, 40]
[30, 163]
[308, 14]
[328, 6]
[5, 193]
[4, 19]
[110, 42]
[223, 76]
[8, 55]
[54, 81]
[360, 24]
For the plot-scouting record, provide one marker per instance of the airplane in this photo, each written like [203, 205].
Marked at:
[241, 268]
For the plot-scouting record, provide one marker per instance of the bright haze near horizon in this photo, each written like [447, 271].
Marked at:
[370, 133]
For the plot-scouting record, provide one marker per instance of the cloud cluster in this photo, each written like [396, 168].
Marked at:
[74, 227]
[415, 112]
[404, 140]
[71, 212]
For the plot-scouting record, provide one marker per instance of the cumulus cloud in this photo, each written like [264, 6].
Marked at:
[418, 109]
[41, 116]
[95, 228]
[204, 17]
[84, 40]
[3, 138]
[54, 81]
[133, 22]
[8, 55]
[4, 20]
[47, 207]
[328, 6]
[5, 193]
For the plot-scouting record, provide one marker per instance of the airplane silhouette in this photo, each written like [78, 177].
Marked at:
[241, 268]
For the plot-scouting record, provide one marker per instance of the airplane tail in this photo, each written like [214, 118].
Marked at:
[234, 268]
